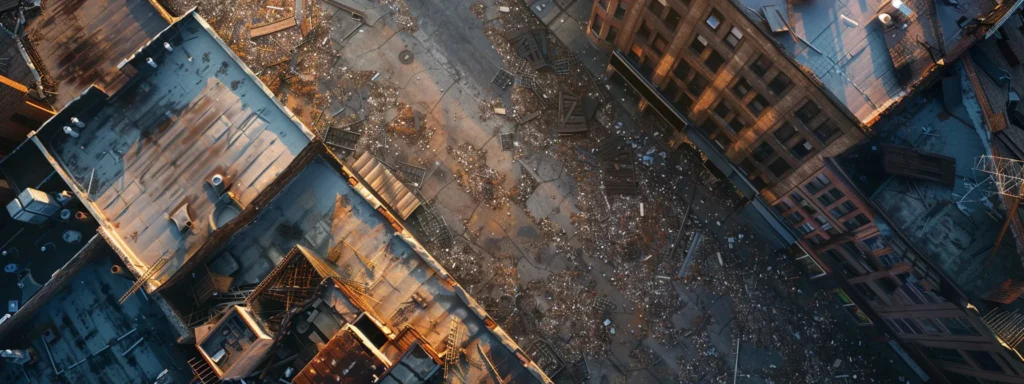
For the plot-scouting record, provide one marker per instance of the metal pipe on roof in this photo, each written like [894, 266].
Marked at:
[52, 364]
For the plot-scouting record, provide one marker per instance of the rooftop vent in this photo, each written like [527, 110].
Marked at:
[168, 47]
[149, 60]
[182, 219]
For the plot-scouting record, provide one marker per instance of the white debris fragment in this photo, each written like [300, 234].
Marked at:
[505, 9]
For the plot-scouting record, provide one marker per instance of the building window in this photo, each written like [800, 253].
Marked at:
[684, 103]
[757, 105]
[843, 209]
[644, 32]
[723, 141]
[794, 218]
[697, 85]
[761, 66]
[985, 361]
[784, 132]
[750, 168]
[612, 33]
[698, 45]
[826, 131]
[817, 184]
[714, 61]
[672, 19]
[670, 89]
[929, 325]
[741, 88]
[808, 112]
[722, 110]
[959, 326]
[780, 84]
[735, 124]
[805, 228]
[714, 20]
[801, 149]
[944, 354]
[660, 44]
[856, 222]
[828, 198]
[656, 7]
[603, 4]
[734, 37]
[682, 69]
[621, 10]
[864, 290]
[596, 25]
[779, 167]
[763, 152]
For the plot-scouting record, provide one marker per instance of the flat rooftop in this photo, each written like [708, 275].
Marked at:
[152, 147]
[79, 43]
[866, 66]
[93, 339]
[34, 252]
[319, 210]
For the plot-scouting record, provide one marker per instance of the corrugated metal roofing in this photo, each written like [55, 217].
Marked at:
[385, 184]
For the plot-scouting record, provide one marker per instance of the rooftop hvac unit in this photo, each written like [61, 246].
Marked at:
[33, 206]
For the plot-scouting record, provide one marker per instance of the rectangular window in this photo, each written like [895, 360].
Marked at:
[808, 112]
[944, 354]
[672, 19]
[644, 33]
[784, 132]
[682, 69]
[830, 197]
[741, 88]
[735, 124]
[715, 19]
[816, 185]
[697, 85]
[734, 37]
[779, 167]
[684, 103]
[985, 361]
[612, 33]
[714, 61]
[805, 228]
[596, 25]
[722, 110]
[723, 141]
[864, 290]
[621, 10]
[843, 209]
[757, 105]
[761, 66]
[780, 84]
[959, 326]
[794, 218]
[698, 45]
[801, 149]
[929, 325]
[856, 222]
[660, 44]
[763, 152]
[656, 7]
[603, 4]
[670, 89]
[826, 131]
[750, 168]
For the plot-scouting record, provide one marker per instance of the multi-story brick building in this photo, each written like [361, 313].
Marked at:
[776, 90]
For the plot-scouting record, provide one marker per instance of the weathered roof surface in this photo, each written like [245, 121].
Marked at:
[97, 340]
[866, 67]
[345, 359]
[153, 147]
[997, 56]
[80, 42]
[328, 211]
[14, 61]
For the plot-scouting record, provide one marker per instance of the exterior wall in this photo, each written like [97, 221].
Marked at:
[720, 82]
[898, 285]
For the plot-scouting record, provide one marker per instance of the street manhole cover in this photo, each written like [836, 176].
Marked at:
[405, 57]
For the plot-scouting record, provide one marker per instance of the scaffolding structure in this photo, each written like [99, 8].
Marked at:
[1009, 326]
[289, 286]
[1008, 176]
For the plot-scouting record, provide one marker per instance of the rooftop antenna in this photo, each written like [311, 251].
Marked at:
[1008, 176]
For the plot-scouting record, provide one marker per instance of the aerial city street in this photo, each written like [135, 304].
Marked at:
[511, 191]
